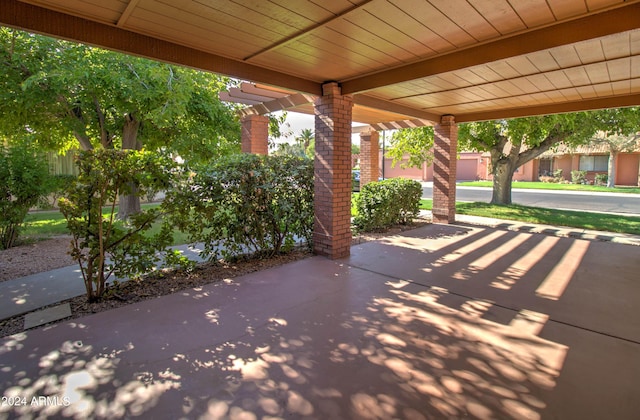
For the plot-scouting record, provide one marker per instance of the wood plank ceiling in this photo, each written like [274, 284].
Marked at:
[401, 59]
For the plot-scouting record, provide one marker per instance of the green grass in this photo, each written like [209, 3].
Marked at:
[45, 224]
[577, 219]
[552, 186]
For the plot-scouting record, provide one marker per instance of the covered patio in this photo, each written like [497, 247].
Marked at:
[445, 321]
[384, 63]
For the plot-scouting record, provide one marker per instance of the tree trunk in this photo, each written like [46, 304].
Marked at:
[502, 175]
[611, 176]
[130, 203]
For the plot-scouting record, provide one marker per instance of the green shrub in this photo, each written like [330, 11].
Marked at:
[97, 238]
[23, 184]
[246, 204]
[579, 177]
[386, 203]
[601, 179]
[558, 174]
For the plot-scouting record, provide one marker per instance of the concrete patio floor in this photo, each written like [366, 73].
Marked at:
[439, 322]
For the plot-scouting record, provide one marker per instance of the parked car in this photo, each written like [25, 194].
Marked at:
[355, 180]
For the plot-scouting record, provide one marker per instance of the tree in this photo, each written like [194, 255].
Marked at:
[415, 144]
[66, 95]
[511, 143]
[98, 237]
[620, 132]
[305, 138]
[23, 183]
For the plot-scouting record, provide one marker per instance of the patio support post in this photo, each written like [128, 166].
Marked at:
[332, 172]
[444, 170]
[369, 151]
[255, 134]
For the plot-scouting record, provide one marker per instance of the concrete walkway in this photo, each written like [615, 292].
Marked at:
[444, 321]
[25, 294]
[29, 293]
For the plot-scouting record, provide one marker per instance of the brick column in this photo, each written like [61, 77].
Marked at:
[255, 134]
[332, 167]
[369, 159]
[444, 170]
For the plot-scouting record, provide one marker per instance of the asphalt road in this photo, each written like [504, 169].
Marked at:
[571, 200]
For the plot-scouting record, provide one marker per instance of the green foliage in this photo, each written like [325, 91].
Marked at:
[101, 244]
[246, 204]
[23, 184]
[66, 95]
[415, 143]
[386, 203]
[601, 179]
[579, 177]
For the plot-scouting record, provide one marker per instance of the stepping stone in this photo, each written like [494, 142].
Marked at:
[45, 316]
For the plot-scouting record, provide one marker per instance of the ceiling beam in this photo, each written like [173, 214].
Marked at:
[127, 13]
[308, 30]
[620, 101]
[623, 18]
[17, 14]
[279, 104]
[381, 104]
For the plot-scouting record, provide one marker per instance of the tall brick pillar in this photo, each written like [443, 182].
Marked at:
[369, 157]
[332, 167]
[444, 170]
[255, 134]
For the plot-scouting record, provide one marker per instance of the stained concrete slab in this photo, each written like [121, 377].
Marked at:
[346, 339]
[45, 316]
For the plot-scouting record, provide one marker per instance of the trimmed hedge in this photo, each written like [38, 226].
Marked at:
[246, 204]
[386, 203]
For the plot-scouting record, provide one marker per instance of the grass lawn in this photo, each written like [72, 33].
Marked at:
[552, 186]
[45, 224]
[577, 219]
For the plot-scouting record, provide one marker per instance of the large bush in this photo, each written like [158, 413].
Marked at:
[23, 184]
[386, 203]
[101, 244]
[246, 204]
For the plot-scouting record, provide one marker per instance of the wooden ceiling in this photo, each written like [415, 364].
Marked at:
[401, 59]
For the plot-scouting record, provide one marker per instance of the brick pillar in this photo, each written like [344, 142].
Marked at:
[369, 159]
[444, 170]
[332, 167]
[255, 134]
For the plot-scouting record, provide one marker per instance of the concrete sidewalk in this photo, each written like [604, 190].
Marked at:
[444, 321]
[32, 292]
[25, 294]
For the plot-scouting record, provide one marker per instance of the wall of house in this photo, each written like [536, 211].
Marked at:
[398, 172]
[565, 163]
[627, 169]
[468, 169]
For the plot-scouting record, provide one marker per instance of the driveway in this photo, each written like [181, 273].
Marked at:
[439, 322]
[571, 200]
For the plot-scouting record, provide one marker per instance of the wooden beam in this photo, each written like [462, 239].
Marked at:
[16, 14]
[279, 104]
[559, 108]
[381, 104]
[309, 29]
[623, 18]
[127, 13]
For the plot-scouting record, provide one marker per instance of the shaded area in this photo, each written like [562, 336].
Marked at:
[442, 321]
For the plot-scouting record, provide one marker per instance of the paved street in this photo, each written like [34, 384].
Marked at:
[572, 200]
